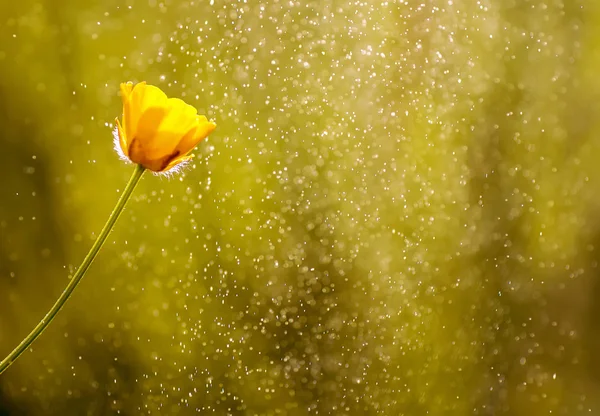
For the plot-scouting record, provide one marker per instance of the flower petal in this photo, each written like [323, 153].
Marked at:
[181, 117]
[126, 89]
[204, 129]
[122, 138]
[200, 132]
[176, 164]
[188, 142]
[143, 97]
[154, 146]
[148, 96]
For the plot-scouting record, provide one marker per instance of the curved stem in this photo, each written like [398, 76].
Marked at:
[87, 261]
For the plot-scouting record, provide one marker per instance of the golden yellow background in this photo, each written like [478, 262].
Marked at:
[398, 213]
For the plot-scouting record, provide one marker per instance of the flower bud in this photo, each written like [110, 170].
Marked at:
[158, 132]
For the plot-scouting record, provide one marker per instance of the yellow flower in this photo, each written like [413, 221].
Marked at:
[158, 132]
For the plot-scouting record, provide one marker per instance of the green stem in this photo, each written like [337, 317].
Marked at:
[87, 261]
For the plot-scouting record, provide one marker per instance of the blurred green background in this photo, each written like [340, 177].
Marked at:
[398, 213]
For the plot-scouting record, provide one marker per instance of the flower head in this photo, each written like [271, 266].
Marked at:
[158, 132]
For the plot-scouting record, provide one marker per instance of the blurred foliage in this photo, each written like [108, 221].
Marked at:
[397, 215]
